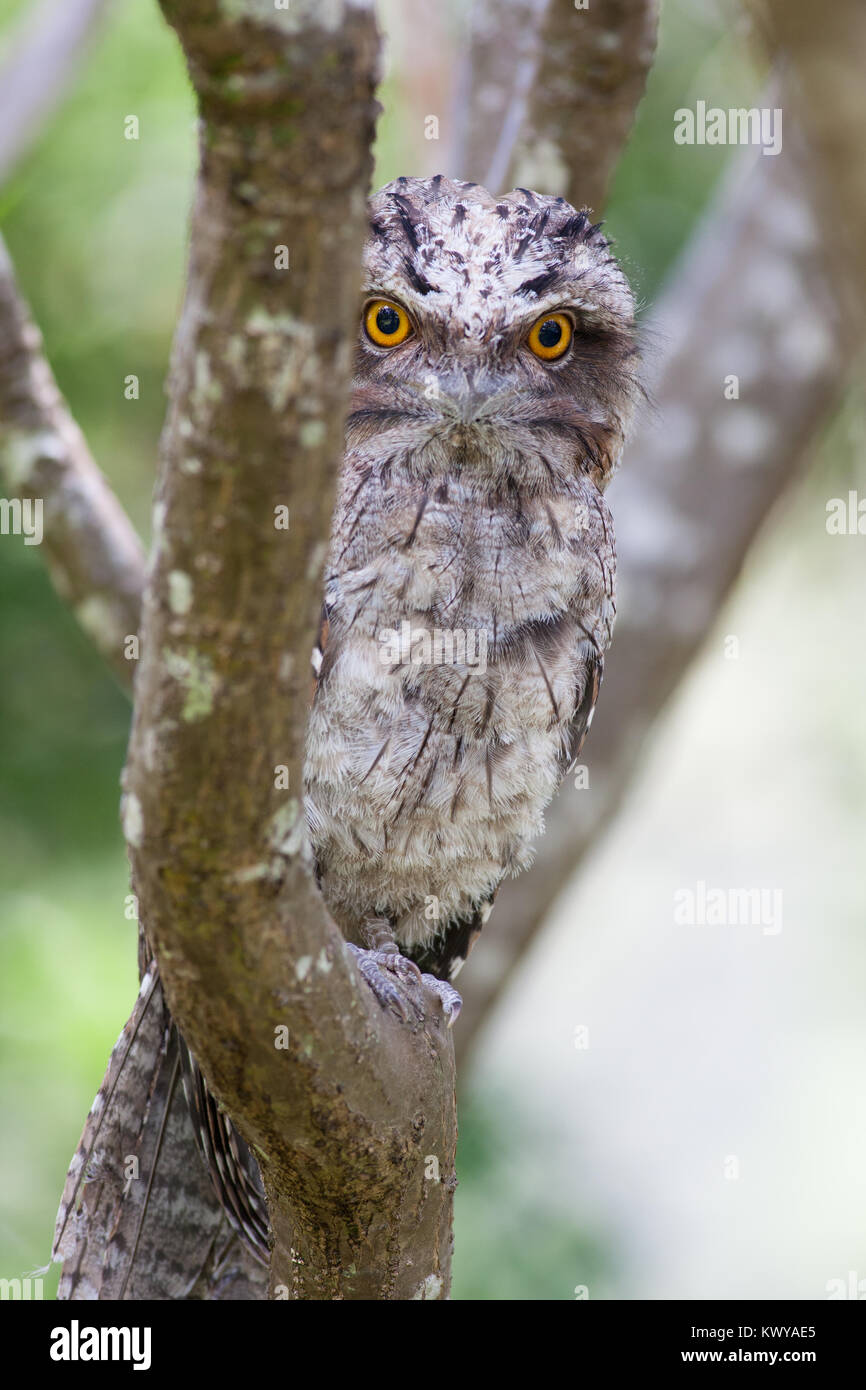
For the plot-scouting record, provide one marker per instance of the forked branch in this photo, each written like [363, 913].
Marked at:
[341, 1104]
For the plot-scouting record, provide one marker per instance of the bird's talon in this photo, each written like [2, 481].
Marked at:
[384, 974]
[451, 1001]
[398, 984]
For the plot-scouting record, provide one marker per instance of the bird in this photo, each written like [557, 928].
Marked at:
[470, 581]
[469, 599]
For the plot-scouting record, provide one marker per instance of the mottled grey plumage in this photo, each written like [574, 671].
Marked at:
[153, 1229]
[470, 501]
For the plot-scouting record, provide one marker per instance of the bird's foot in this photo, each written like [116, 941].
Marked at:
[398, 984]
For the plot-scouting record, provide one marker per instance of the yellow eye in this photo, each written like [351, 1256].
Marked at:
[550, 337]
[386, 323]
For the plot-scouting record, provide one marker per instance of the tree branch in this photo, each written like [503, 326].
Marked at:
[701, 475]
[93, 553]
[548, 93]
[343, 1116]
[824, 49]
[492, 86]
[592, 73]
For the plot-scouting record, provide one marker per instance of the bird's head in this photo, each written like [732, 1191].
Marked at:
[495, 334]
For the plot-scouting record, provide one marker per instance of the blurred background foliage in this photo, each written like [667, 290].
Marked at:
[96, 225]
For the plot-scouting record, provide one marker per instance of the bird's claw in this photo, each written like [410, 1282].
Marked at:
[451, 1001]
[398, 984]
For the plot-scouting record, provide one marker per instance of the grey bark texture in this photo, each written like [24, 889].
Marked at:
[548, 93]
[823, 48]
[591, 76]
[94, 556]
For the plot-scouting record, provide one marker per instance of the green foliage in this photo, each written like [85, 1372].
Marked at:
[512, 1240]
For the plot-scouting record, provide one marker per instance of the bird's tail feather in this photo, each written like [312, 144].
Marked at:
[139, 1217]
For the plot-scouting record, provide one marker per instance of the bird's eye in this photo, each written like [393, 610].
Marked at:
[386, 323]
[550, 336]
